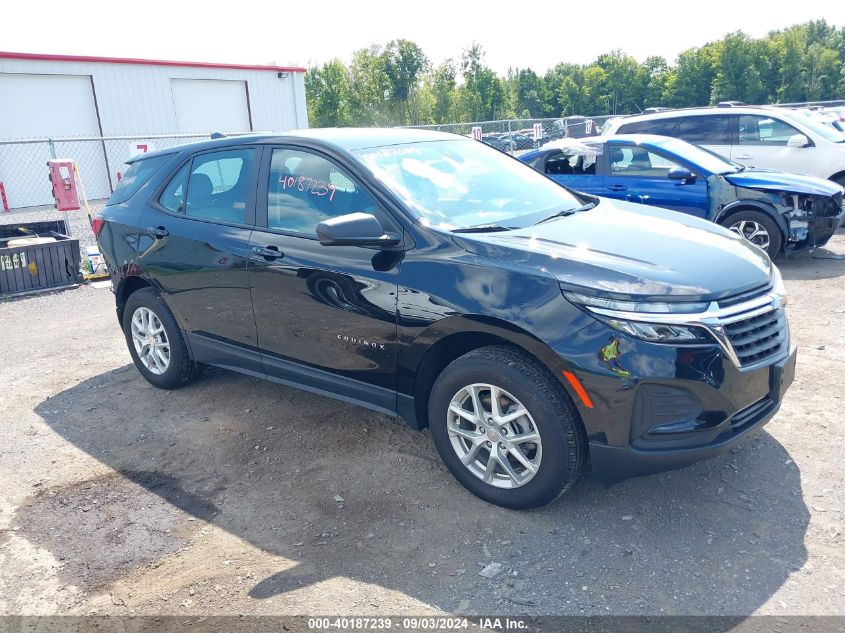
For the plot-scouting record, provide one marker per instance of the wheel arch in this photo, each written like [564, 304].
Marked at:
[125, 289]
[838, 178]
[754, 205]
[451, 338]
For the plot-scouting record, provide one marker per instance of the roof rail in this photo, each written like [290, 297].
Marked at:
[730, 104]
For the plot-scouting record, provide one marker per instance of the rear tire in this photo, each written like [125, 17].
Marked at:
[533, 438]
[156, 342]
[758, 228]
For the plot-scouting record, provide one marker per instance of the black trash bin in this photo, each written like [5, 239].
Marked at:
[33, 267]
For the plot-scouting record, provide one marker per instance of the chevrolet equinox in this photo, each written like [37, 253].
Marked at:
[431, 277]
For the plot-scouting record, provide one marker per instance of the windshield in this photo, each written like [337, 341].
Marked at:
[710, 161]
[463, 183]
[815, 125]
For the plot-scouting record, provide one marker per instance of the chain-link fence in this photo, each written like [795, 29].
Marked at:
[519, 135]
[100, 160]
[24, 180]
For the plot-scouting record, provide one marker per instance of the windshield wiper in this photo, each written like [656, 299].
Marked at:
[560, 214]
[482, 228]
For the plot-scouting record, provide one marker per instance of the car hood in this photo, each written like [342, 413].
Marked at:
[768, 180]
[623, 250]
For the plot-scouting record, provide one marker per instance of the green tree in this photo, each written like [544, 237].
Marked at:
[483, 93]
[529, 94]
[738, 70]
[327, 93]
[403, 63]
[788, 48]
[596, 97]
[442, 83]
[822, 68]
[623, 87]
[396, 85]
[369, 87]
[564, 90]
[694, 74]
[655, 73]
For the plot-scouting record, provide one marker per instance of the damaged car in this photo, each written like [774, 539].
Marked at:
[780, 212]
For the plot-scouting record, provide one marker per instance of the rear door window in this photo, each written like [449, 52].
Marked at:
[705, 130]
[574, 161]
[662, 127]
[173, 196]
[218, 186]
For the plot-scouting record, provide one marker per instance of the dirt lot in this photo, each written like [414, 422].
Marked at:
[117, 498]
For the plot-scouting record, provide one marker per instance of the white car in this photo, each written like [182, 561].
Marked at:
[756, 136]
[832, 117]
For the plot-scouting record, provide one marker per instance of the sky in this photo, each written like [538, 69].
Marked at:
[513, 34]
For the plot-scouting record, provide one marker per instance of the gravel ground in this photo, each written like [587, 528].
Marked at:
[238, 496]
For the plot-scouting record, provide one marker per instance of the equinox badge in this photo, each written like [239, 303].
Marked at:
[360, 341]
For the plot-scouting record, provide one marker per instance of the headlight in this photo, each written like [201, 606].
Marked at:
[660, 332]
[658, 322]
[778, 287]
[648, 307]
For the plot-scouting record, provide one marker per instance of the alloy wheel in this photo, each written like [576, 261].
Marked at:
[494, 436]
[150, 341]
[754, 232]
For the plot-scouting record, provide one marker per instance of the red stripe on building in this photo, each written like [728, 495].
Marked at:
[143, 62]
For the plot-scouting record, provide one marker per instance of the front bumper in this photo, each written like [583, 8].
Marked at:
[660, 407]
[812, 231]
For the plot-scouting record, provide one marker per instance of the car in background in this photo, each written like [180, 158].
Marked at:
[755, 136]
[779, 212]
[430, 277]
[833, 117]
[516, 141]
[508, 141]
[574, 126]
[495, 140]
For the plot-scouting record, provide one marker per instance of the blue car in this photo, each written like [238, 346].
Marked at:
[779, 212]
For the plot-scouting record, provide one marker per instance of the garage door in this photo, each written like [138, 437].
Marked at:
[211, 105]
[42, 106]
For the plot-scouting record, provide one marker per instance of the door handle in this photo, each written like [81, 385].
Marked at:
[744, 157]
[617, 188]
[158, 231]
[268, 253]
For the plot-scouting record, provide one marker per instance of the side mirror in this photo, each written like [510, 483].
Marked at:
[355, 229]
[798, 141]
[679, 173]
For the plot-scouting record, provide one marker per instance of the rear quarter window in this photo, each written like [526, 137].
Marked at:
[705, 129]
[139, 172]
[663, 127]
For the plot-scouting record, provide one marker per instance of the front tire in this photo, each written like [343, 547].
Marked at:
[505, 429]
[758, 228]
[155, 341]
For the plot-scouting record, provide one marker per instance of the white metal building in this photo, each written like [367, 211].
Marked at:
[58, 96]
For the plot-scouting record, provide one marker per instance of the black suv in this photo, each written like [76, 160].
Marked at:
[433, 278]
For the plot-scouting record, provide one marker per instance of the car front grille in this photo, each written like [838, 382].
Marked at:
[758, 338]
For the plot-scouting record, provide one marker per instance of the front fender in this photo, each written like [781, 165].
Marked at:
[484, 326]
